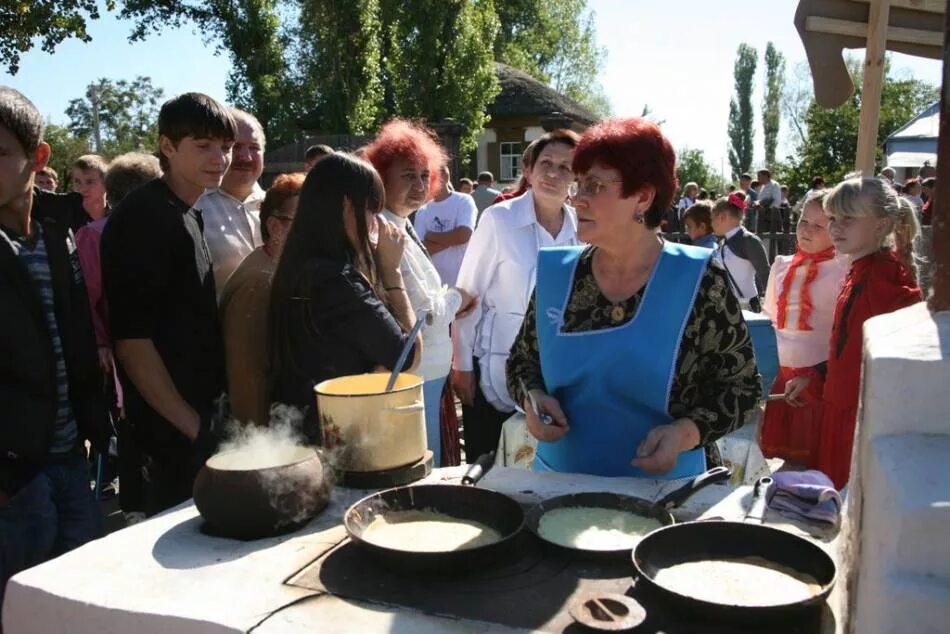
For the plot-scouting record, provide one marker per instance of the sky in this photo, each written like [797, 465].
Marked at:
[676, 56]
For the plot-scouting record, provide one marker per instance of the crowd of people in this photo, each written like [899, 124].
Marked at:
[131, 305]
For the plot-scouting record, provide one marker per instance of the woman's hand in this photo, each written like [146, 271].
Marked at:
[469, 302]
[389, 249]
[658, 452]
[550, 406]
[463, 382]
[106, 362]
[794, 389]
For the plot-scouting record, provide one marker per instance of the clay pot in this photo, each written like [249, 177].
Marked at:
[244, 495]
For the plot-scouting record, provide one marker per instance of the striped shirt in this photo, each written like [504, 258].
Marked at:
[34, 260]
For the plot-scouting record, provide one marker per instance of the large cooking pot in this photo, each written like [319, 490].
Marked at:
[372, 429]
[249, 493]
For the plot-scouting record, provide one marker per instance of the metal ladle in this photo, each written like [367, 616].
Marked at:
[424, 318]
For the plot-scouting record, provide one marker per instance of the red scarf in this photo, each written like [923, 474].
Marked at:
[811, 262]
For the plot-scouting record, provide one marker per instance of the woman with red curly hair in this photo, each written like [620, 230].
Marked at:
[408, 157]
[635, 347]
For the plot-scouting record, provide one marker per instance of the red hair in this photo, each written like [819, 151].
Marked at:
[639, 151]
[411, 141]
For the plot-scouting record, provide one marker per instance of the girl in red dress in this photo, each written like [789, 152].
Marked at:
[800, 301]
[875, 228]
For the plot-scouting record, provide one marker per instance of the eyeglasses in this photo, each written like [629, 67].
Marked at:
[589, 187]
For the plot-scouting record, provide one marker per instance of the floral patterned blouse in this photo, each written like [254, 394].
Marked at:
[717, 382]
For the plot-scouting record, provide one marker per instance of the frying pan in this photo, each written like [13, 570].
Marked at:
[465, 501]
[659, 510]
[719, 539]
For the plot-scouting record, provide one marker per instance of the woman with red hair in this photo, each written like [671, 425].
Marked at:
[635, 347]
[408, 158]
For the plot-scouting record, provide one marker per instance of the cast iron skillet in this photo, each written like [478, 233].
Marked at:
[491, 508]
[719, 539]
[659, 510]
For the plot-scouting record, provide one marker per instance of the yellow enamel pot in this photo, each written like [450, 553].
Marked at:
[369, 429]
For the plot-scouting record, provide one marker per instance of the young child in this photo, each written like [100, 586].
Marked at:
[800, 301]
[870, 224]
[742, 253]
[698, 221]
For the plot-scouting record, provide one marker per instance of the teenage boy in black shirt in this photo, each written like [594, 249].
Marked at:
[51, 397]
[159, 286]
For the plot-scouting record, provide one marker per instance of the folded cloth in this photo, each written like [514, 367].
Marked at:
[807, 494]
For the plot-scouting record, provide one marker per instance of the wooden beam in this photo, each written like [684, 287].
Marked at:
[940, 238]
[873, 83]
[850, 28]
[928, 6]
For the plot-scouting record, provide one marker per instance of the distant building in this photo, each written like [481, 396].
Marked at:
[914, 143]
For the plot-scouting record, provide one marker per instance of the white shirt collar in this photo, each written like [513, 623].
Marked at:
[395, 218]
[256, 195]
[733, 232]
[524, 214]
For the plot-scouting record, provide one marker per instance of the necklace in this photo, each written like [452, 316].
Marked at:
[617, 312]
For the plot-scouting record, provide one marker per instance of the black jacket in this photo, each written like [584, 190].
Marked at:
[27, 363]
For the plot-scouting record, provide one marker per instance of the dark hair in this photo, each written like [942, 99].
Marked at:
[929, 182]
[92, 163]
[284, 187]
[528, 156]
[317, 150]
[816, 181]
[701, 213]
[561, 135]
[21, 118]
[640, 152]
[703, 194]
[318, 231]
[485, 177]
[463, 181]
[128, 172]
[755, 185]
[196, 115]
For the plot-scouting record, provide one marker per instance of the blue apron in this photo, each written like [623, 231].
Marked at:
[614, 384]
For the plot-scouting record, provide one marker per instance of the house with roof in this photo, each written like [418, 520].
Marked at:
[521, 112]
[524, 109]
[915, 143]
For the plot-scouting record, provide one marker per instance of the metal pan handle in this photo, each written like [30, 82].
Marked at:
[479, 468]
[760, 500]
[703, 480]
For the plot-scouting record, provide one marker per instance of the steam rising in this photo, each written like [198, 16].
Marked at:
[295, 493]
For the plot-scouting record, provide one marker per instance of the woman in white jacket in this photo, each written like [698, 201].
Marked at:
[499, 268]
[408, 158]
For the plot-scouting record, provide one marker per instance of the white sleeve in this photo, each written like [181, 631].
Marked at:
[474, 277]
[770, 302]
[419, 224]
[468, 213]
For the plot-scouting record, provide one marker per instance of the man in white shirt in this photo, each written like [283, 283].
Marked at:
[231, 213]
[445, 226]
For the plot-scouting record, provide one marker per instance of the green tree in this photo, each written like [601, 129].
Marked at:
[344, 72]
[555, 41]
[692, 167]
[831, 135]
[439, 61]
[23, 24]
[741, 117]
[771, 103]
[65, 148]
[117, 116]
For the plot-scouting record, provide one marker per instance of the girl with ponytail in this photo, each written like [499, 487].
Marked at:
[868, 223]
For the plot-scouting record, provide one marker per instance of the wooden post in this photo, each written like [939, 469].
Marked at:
[940, 238]
[878, 16]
